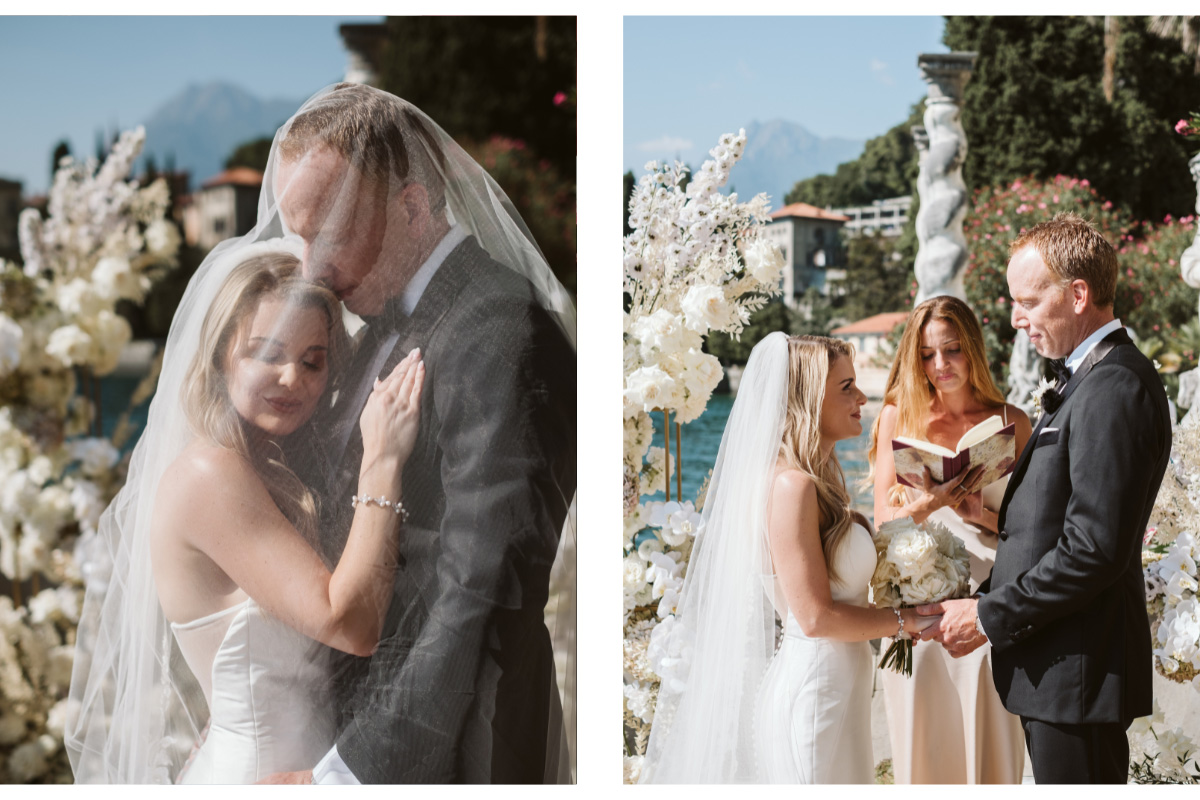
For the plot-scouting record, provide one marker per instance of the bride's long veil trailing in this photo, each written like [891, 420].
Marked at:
[137, 711]
[703, 729]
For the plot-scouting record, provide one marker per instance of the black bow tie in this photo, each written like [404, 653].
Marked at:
[1061, 373]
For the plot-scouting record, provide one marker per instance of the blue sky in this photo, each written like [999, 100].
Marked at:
[81, 74]
[690, 79]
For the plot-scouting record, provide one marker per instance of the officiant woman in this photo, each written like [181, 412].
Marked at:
[946, 722]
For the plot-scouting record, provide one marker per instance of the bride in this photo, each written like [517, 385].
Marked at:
[245, 569]
[778, 537]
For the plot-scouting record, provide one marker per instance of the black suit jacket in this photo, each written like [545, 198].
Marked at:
[460, 688]
[1065, 605]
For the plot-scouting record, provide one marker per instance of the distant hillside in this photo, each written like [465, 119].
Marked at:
[779, 153]
[202, 125]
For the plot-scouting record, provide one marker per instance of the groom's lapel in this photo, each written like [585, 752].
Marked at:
[1102, 349]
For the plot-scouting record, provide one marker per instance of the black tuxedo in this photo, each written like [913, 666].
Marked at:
[460, 688]
[1065, 606]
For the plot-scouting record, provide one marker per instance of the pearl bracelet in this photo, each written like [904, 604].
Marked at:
[382, 502]
[900, 634]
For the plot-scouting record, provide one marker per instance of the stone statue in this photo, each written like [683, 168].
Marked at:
[942, 253]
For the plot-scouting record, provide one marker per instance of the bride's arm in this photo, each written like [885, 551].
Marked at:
[800, 563]
[220, 506]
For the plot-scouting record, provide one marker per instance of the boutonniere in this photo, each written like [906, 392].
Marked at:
[1046, 398]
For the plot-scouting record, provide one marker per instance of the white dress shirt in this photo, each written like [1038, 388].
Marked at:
[1081, 352]
[332, 770]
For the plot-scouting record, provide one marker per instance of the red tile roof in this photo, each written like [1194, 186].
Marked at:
[880, 323]
[807, 211]
[238, 176]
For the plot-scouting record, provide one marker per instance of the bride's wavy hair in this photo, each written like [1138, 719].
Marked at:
[908, 387]
[810, 358]
[205, 395]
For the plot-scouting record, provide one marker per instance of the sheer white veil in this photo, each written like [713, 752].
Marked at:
[137, 711]
[703, 730]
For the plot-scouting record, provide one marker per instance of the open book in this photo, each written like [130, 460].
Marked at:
[990, 443]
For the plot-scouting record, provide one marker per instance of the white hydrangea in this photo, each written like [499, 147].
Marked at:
[81, 299]
[162, 238]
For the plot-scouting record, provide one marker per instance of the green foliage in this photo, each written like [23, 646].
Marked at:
[1035, 105]
[252, 154]
[878, 279]
[482, 76]
[815, 314]
[628, 183]
[886, 168]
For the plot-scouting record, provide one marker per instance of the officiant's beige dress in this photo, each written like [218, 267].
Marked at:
[946, 723]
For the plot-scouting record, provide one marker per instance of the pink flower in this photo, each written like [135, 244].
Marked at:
[1182, 126]
[1084, 182]
[1041, 205]
[560, 98]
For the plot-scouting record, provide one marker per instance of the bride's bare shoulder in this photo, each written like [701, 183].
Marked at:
[794, 485]
[205, 471]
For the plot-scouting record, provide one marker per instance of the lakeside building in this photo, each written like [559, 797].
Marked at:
[809, 238]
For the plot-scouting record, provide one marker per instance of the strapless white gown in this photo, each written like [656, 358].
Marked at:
[813, 722]
[267, 687]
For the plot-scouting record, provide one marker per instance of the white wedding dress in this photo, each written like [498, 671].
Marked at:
[267, 687]
[813, 720]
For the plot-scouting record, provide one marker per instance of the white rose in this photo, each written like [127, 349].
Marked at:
[929, 588]
[71, 345]
[913, 552]
[11, 336]
[663, 332]
[705, 307]
[115, 279]
[764, 261]
[701, 372]
[635, 573]
[649, 388]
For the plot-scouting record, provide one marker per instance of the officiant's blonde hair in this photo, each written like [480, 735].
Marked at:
[908, 387]
[810, 359]
[206, 401]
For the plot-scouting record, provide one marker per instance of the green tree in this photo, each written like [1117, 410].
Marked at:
[61, 151]
[886, 168]
[1035, 105]
[879, 277]
[480, 76]
[628, 183]
[252, 154]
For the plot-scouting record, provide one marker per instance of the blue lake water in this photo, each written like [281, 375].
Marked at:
[702, 439]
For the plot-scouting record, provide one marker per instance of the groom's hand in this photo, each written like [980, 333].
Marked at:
[301, 778]
[956, 629]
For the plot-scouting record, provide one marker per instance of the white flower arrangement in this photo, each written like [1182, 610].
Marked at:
[1158, 755]
[696, 262]
[916, 564]
[105, 239]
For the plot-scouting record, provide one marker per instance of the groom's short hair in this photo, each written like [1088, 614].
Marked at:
[1074, 250]
[382, 136]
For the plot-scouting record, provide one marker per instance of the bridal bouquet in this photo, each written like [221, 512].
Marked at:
[917, 564]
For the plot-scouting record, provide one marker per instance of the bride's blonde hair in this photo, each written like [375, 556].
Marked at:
[205, 395]
[810, 358]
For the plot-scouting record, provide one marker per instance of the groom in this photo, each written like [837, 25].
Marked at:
[461, 687]
[1065, 606]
